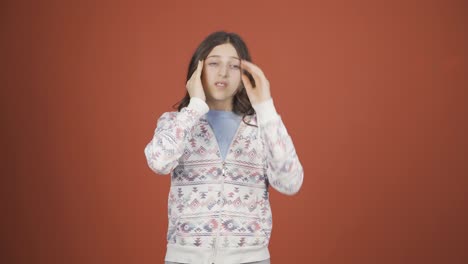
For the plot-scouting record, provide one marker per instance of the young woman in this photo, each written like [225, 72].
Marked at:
[224, 146]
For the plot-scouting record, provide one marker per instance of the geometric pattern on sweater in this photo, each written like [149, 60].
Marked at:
[216, 203]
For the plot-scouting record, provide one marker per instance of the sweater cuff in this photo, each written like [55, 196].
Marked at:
[266, 111]
[198, 105]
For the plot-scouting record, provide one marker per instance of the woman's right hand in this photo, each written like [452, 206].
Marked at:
[194, 84]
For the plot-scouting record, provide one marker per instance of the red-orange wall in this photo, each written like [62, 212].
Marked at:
[373, 93]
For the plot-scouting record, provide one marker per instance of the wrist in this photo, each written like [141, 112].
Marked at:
[266, 111]
[198, 105]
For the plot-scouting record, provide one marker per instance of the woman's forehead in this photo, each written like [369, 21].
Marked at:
[224, 50]
[226, 57]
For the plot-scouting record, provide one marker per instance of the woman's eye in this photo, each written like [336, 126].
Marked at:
[213, 63]
[235, 66]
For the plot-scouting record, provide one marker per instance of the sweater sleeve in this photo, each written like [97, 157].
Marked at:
[167, 145]
[284, 170]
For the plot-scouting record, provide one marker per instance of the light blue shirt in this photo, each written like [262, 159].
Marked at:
[225, 125]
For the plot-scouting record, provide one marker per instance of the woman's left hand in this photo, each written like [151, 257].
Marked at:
[261, 92]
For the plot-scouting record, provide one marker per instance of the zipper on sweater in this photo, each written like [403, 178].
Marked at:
[223, 199]
[223, 170]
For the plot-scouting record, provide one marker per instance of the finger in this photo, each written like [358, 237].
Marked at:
[199, 68]
[252, 68]
[256, 72]
[194, 73]
[247, 83]
[189, 81]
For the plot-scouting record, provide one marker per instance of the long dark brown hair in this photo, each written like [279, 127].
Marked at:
[241, 102]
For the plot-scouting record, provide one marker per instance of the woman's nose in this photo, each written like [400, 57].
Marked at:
[223, 71]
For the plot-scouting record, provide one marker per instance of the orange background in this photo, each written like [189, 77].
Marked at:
[373, 93]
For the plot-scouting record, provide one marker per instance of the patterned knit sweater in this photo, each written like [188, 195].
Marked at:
[219, 210]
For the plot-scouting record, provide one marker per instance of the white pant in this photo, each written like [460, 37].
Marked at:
[266, 261]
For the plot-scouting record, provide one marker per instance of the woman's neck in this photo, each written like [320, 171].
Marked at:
[220, 105]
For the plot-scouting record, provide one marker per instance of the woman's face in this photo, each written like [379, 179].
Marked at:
[221, 74]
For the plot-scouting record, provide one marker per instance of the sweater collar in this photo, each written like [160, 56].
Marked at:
[252, 119]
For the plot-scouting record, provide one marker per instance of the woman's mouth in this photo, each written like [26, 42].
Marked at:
[221, 84]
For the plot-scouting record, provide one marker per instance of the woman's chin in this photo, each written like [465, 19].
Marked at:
[223, 99]
[220, 96]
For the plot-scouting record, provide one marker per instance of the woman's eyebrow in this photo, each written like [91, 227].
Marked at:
[234, 57]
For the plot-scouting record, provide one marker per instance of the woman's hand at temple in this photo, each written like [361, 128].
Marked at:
[261, 92]
[194, 84]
